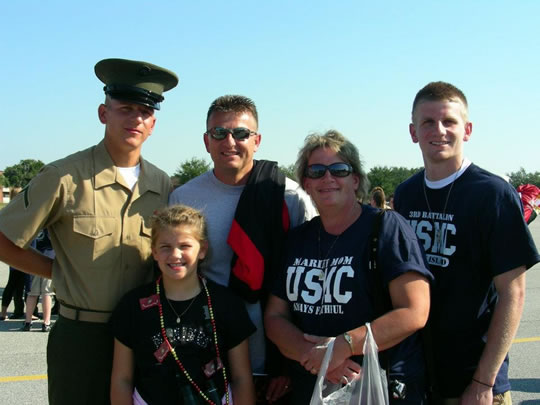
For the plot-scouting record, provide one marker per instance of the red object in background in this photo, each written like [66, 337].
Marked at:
[528, 194]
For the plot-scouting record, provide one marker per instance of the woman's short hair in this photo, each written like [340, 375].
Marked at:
[336, 142]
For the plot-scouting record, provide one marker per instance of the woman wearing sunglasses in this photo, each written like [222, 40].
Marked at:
[326, 288]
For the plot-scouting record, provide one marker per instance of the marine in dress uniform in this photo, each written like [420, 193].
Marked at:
[96, 204]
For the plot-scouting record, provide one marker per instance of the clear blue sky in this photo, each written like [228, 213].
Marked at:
[309, 65]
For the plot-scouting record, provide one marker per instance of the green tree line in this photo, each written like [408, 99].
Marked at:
[20, 174]
[386, 177]
[522, 177]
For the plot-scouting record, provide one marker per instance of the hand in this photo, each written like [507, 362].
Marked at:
[349, 369]
[312, 359]
[477, 394]
[277, 387]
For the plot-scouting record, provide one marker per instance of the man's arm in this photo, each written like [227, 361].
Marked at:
[502, 329]
[27, 260]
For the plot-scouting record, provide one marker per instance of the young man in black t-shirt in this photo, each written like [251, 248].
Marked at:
[478, 247]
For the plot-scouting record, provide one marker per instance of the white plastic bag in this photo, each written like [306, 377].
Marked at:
[369, 389]
[327, 393]
[373, 384]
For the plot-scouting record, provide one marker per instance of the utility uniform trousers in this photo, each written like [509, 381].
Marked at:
[79, 362]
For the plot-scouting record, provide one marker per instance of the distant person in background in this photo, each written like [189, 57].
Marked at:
[377, 198]
[41, 286]
[14, 289]
[391, 201]
[96, 205]
[478, 246]
[529, 194]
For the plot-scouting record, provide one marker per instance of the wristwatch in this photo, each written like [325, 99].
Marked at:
[348, 339]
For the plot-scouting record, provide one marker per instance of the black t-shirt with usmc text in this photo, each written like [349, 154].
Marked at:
[139, 329]
[472, 231]
[329, 288]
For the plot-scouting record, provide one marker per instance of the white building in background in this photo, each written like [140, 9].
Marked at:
[5, 194]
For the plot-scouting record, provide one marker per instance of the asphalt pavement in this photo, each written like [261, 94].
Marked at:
[23, 363]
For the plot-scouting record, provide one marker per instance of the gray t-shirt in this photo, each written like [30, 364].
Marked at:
[218, 202]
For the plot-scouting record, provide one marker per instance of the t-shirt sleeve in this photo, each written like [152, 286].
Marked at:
[236, 325]
[299, 204]
[174, 197]
[399, 250]
[508, 238]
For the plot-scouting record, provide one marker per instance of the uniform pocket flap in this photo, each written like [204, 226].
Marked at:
[145, 229]
[93, 227]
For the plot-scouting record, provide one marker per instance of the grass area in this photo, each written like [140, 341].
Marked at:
[2, 205]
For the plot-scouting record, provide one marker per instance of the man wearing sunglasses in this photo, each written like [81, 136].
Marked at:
[249, 205]
[478, 248]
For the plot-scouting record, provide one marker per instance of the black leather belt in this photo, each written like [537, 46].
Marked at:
[85, 315]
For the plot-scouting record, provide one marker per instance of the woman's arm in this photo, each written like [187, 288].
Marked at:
[122, 375]
[241, 379]
[282, 332]
[410, 301]
[295, 345]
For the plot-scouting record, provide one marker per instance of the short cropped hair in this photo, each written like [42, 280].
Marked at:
[179, 215]
[439, 91]
[377, 194]
[233, 103]
[335, 141]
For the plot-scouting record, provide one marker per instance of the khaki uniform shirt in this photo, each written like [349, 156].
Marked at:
[98, 227]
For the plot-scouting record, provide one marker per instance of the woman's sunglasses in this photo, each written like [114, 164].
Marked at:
[219, 133]
[339, 169]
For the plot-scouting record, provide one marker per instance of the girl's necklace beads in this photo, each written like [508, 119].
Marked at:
[214, 330]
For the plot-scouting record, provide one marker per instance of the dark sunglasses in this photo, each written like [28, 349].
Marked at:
[339, 169]
[219, 133]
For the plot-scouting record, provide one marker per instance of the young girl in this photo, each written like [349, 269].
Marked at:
[181, 339]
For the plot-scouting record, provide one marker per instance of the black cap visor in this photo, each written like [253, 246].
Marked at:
[134, 95]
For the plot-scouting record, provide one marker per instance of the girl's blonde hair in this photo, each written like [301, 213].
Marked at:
[177, 215]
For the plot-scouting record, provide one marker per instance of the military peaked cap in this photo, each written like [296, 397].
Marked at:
[135, 81]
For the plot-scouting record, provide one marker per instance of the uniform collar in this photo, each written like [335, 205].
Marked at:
[106, 173]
